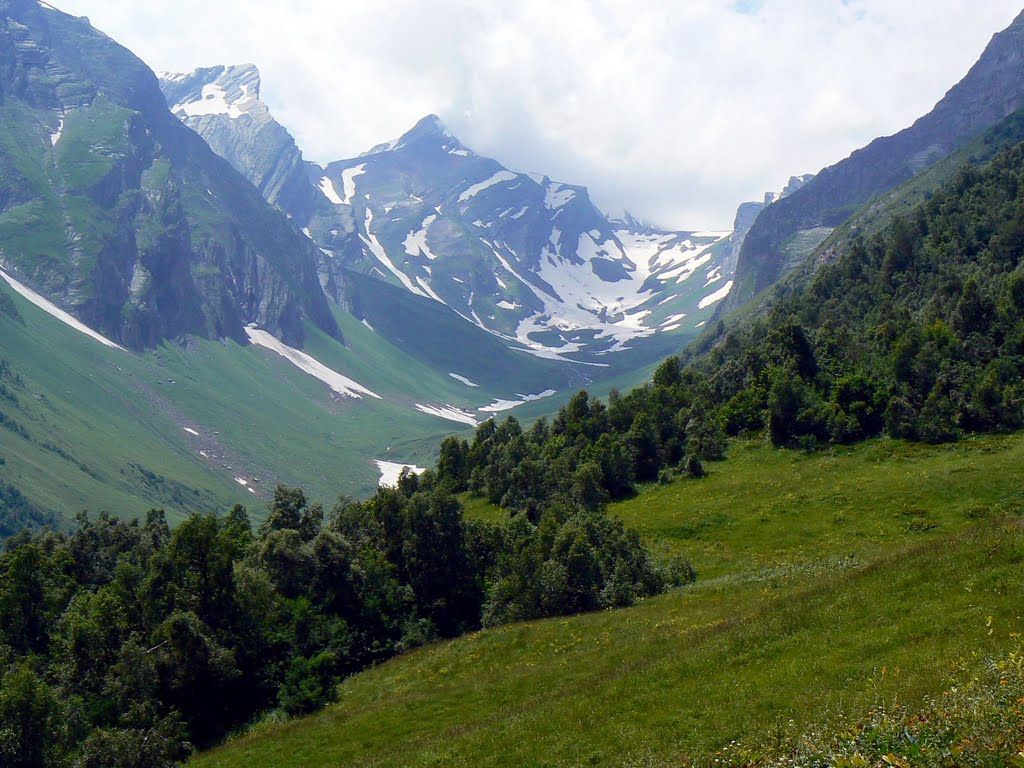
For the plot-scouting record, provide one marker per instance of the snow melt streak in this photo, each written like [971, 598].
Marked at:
[52, 309]
[343, 385]
[463, 379]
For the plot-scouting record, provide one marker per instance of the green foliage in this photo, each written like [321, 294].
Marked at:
[308, 684]
[590, 452]
[915, 331]
[978, 722]
[18, 513]
[127, 643]
[794, 630]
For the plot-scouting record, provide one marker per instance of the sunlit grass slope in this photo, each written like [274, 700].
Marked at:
[829, 582]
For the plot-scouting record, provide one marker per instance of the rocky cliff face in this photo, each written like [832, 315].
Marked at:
[785, 232]
[222, 104]
[113, 209]
[747, 214]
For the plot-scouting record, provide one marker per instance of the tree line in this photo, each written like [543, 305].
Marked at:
[128, 644]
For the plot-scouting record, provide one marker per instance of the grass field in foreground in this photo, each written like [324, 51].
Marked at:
[831, 582]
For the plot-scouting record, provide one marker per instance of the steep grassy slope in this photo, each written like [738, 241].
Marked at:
[90, 427]
[830, 582]
[107, 429]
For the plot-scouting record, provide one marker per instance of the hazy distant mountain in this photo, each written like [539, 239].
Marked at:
[786, 232]
[524, 257]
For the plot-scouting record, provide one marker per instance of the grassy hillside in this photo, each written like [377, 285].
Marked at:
[88, 427]
[829, 583]
[96, 428]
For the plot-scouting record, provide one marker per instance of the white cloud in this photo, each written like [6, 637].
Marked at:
[675, 110]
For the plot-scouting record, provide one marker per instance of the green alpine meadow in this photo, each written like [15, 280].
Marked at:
[322, 449]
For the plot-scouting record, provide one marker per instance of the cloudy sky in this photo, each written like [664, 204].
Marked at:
[674, 109]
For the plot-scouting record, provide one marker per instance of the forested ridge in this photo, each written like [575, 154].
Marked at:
[915, 332]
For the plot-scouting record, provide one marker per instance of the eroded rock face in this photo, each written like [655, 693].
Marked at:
[116, 211]
[991, 91]
[222, 104]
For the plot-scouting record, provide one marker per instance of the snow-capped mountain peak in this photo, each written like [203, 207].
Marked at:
[428, 133]
[525, 257]
[229, 91]
[222, 104]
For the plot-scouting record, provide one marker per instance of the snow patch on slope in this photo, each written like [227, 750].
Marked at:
[343, 385]
[348, 181]
[379, 253]
[214, 101]
[479, 187]
[327, 187]
[557, 195]
[463, 380]
[717, 296]
[390, 471]
[498, 406]
[52, 309]
[416, 242]
[448, 412]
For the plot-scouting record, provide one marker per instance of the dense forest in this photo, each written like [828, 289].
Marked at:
[916, 332]
[127, 644]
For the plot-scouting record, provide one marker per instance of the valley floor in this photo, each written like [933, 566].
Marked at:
[828, 583]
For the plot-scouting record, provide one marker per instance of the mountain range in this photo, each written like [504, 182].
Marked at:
[190, 316]
[530, 260]
[170, 229]
[675, 553]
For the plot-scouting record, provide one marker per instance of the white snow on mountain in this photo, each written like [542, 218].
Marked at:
[381, 254]
[449, 413]
[577, 298]
[556, 195]
[463, 380]
[390, 471]
[348, 182]
[215, 101]
[327, 187]
[340, 384]
[479, 187]
[715, 297]
[416, 242]
[52, 309]
[499, 406]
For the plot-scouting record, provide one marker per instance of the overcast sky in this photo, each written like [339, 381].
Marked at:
[674, 109]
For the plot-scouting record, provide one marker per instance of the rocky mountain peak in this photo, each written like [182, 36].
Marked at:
[429, 133]
[231, 91]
